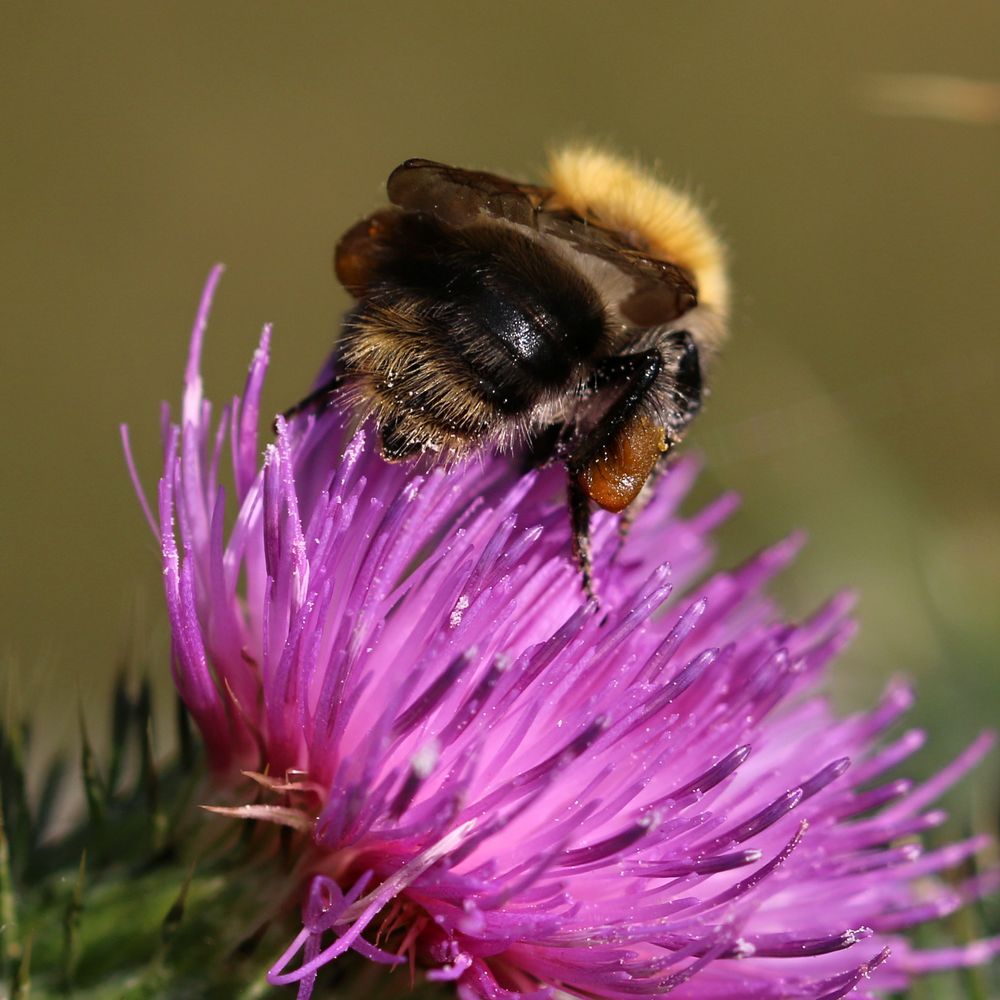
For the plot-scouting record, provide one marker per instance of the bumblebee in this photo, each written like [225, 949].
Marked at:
[572, 320]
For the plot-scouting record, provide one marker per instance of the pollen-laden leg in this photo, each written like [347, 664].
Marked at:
[638, 505]
[659, 394]
[685, 397]
[613, 459]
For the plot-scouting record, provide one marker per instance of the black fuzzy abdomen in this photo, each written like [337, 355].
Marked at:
[509, 320]
[511, 350]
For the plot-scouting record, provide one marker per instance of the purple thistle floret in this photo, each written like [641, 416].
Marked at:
[517, 788]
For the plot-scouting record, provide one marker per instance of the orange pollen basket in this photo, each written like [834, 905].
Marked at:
[616, 476]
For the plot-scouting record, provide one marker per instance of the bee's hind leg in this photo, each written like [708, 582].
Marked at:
[685, 401]
[629, 515]
[579, 512]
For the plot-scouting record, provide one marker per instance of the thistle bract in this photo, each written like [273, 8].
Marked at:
[511, 786]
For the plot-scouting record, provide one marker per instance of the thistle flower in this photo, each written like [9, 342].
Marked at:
[514, 787]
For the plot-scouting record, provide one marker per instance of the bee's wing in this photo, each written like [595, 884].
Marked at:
[657, 291]
[662, 292]
[454, 196]
[461, 197]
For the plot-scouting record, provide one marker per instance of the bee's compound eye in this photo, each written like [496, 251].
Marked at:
[616, 475]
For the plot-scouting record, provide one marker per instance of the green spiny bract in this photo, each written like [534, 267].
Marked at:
[144, 895]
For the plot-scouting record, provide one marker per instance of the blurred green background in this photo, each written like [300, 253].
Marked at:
[858, 398]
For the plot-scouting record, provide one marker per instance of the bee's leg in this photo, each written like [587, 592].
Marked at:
[627, 517]
[543, 447]
[686, 386]
[317, 397]
[607, 474]
[685, 401]
[579, 512]
[633, 375]
[395, 444]
[658, 393]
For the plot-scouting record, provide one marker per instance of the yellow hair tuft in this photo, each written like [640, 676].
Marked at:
[623, 196]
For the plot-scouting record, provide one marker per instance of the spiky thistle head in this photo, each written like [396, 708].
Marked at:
[514, 788]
